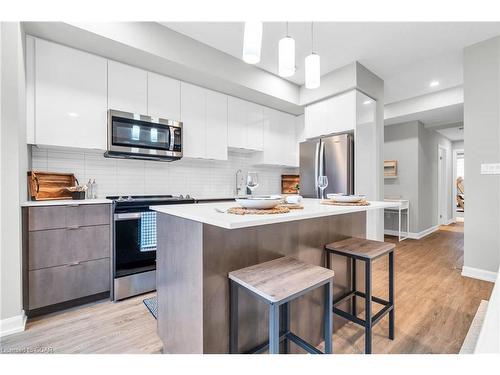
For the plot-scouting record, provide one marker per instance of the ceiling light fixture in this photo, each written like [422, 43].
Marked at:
[252, 42]
[312, 65]
[286, 56]
[434, 84]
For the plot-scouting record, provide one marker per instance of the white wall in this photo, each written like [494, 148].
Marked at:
[401, 144]
[198, 178]
[482, 140]
[416, 150]
[14, 163]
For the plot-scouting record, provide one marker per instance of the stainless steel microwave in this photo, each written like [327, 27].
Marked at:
[143, 137]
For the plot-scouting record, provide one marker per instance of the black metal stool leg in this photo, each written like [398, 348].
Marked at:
[286, 326]
[274, 328]
[391, 295]
[233, 317]
[354, 310]
[368, 307]
[328, 327]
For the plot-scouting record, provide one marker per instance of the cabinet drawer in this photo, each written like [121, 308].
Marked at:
[57, 247]
[49, 286]
[54, 217]
[88, 214]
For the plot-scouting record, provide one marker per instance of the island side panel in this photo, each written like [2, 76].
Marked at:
[179, 279]
[226, 250]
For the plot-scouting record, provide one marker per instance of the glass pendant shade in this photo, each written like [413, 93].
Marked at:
[252, 42]
[312, 66]
[286, 57]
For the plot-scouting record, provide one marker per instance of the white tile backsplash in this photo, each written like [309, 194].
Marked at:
[199, 178]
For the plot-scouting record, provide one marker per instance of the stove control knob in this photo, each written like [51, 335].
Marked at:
[188, 196]
[181, 197]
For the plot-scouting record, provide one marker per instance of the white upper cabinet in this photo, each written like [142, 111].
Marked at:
[216, 125]
[204, 123]
[245, 125]
[280, 141]
[237, 117]
[70, 97]
[255, 127]
[164, 97]
[127, 88]
[333, 115]
[193, 117]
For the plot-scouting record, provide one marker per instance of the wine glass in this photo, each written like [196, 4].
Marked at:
[322, 184]
[252, 181]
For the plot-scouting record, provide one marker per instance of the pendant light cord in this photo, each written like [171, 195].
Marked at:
[312, 37]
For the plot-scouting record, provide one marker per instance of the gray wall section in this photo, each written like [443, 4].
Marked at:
[14, 164]
[401, 144]
[429, 141]
[416, 150]
[458, 145]
[482, 139]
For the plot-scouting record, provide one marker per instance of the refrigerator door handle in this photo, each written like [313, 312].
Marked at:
[316, 168]
[322, 159]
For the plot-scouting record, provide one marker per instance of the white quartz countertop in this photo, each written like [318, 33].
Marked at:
[65, 202]
[206, 213]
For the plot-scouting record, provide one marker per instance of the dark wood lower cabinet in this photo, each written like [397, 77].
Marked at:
[48, 286]
[66, 255]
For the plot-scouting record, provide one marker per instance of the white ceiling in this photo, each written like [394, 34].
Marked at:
[433, 117]
[453, 134]
[407, 55]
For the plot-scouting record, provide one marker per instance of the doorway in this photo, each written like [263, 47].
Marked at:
[442, 187]
[458, 184]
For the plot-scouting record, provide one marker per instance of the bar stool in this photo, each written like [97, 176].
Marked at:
[277, 283]
[367, 251]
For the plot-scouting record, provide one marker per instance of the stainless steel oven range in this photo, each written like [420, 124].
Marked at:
[134, 243]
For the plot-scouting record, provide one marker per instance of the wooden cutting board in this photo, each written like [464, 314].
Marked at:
[50, 185]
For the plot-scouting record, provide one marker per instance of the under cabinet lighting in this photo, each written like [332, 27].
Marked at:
[434, 84]
[366, 102]
[72, 114]
[252, 42]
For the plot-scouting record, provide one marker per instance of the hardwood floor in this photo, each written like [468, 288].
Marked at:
[435, 306]
[102, 327]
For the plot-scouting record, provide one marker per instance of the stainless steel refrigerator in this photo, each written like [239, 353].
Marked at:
[331, 156]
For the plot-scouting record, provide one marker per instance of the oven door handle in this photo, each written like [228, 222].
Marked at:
[127, 216]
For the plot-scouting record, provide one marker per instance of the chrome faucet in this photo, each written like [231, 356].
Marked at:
[238, 188]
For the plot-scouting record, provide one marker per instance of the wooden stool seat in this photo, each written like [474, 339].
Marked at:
[364, 250]
[277, 283]
[361, 248]
[281, 279]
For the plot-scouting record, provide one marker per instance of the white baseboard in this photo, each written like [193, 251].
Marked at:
[477, 273]
[451, 221]
[12, 325]
[413, 235]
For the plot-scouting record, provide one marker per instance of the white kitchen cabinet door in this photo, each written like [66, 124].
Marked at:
[216, 125]
[164, 97]
[330, 116]
[237, 119]
[193, 117]
[255, 127]
[70, 97]
[289, 144]
[280, 142]
[127, 88]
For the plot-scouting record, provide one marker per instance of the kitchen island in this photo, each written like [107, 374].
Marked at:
[198, 246]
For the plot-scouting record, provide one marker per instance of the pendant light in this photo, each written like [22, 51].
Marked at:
[312, 66]
[252, 42]
[286, 56]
